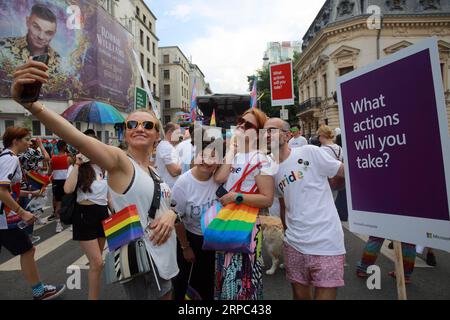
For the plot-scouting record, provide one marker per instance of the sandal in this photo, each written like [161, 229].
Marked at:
[407, 279]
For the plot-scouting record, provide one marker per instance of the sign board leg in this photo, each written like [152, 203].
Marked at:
[399, 271]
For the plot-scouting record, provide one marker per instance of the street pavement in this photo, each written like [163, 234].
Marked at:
[55, 252]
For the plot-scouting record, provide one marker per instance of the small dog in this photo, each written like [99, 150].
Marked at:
[273, 237]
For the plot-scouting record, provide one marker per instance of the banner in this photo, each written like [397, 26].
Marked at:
[282, 84]
[90, 52]
[397, 149]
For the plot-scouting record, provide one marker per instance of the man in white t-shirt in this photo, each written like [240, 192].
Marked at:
[167, 161]
[297, 140]
[185, 151]
[314, 241]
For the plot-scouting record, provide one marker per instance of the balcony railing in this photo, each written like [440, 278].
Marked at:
[309, 104]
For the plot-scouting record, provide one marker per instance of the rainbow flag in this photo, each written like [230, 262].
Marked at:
[122, 228]
[213, 119]
[193, 110]
[36, 180]
[231, 230]
[253, 95]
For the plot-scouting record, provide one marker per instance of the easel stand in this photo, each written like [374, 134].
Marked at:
[399, 271]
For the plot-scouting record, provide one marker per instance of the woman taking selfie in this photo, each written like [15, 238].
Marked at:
[129, 179]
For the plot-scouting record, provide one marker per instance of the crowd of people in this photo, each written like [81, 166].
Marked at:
[185, 176]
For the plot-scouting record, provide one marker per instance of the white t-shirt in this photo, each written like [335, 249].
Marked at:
[99, 187]
[166, 154]
[10, 174]
[313, 225]
[298, 142]
[193, 197]
[239, 164]
[186, 152]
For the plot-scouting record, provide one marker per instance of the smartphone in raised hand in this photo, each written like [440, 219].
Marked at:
[31, 91]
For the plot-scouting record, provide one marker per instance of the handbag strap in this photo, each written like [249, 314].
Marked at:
[156, 201]
[245, 174]
[335, 154]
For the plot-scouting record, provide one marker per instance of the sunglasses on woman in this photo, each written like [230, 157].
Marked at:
[246, 124]
[133, 124]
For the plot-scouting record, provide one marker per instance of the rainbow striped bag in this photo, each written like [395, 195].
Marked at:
[122, 228]
[230, 228]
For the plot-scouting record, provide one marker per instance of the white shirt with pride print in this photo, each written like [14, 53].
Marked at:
[313, 225]
[193, 197]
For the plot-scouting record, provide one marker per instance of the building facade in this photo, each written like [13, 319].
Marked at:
[138, 20]
[281, 51]
[174, 82]
[340, 41]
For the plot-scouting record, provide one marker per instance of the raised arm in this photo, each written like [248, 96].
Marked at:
[107, 157]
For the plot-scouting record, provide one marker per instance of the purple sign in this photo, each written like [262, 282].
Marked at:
[394, 147]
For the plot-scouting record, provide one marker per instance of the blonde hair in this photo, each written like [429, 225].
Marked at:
[326, 132]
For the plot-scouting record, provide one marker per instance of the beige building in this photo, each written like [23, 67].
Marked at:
[174, 82]
[339, 41]
[139, 20]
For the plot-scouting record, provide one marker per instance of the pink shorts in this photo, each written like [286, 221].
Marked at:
[316, 271]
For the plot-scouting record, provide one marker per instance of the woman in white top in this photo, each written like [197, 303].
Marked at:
[326, 137]
[240, 275]
[129, 178]
[193, 194]
[88, 181]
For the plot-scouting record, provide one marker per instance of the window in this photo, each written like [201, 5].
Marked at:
[167, 89]
[148, 44]
[138, 12]
[141, 36]
[48, 132]
[308, 92]
[149, 84]
[166, 58]
[317, 124]
[144, 18]
[167, 104]
[166, 74]
[9, 123]
[107, 137]
[302, 98]
[345, 70]
[315, 89]
[326, 122]
[154, 69]
[78, 125]
[142, 83]
[154, 49]
[150, 26]
[154, 89]
[99, 135]
[36, 128]
[148, 65]
[142, 61]
[325, 86]
[166, 119]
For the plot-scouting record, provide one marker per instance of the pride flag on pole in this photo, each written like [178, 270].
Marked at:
[194, 101]
[213, 119]
[253, 95]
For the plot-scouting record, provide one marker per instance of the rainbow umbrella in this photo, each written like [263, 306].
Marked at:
[93, 112]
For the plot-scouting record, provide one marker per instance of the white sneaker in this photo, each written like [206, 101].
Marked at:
[59, 227]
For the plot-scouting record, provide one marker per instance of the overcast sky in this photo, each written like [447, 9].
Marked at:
[227, 38]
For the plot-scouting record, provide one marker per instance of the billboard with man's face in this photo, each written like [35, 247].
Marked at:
[90, 53]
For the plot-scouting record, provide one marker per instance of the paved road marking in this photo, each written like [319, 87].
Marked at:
[42, 250]
[388, 253]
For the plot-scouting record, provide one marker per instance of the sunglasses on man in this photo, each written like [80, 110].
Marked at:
[133, 124]
[246, 124]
